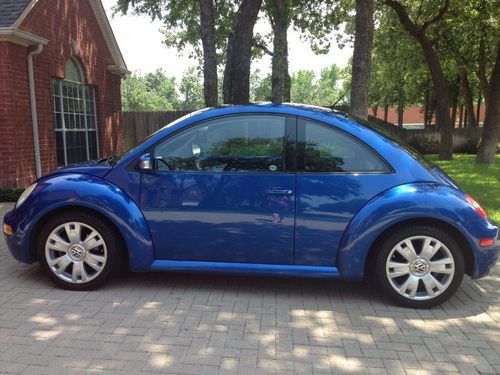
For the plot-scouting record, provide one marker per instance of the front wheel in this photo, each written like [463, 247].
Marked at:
[420, 266]
[77, 251]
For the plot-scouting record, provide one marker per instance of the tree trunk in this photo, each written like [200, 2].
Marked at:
[442, 101]
[426, 106]
[491, 127]
[478, 109]
[455, 94]
[461, 117]
[469, 100]
[361, 58]
[239, 48]
[400, 109]
[386, 112]
[454, 112]
[375, 110]
[481, 72]
[207, 24]
[280, 79]
[437, 75]
[466, 118]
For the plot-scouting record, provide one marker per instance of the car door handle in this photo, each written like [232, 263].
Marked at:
[279, 192]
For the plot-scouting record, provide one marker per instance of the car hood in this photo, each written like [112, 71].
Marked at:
[91, 167]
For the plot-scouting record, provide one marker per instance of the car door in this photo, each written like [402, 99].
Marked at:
[221, 191]
[338, 175]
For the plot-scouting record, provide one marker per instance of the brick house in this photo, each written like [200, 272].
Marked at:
[60, 75]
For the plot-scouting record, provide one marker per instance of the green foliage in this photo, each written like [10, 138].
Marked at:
[10, 195]
[260, 87]
[479, 180]
[241, 147]
[328, 91]
[191, 89]
[399, 68]
[304, 87]
[322, 90]
[182, 21]
[151, 92]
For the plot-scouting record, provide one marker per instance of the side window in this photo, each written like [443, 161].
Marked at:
[328, 150]
[229, 144]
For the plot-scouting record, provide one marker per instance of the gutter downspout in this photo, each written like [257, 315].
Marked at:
[34, 115]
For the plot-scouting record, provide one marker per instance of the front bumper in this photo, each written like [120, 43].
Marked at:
[18, 242]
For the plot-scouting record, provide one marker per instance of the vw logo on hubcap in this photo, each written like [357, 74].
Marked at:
[77, 252]
[419, 267]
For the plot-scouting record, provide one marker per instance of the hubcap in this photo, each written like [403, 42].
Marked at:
[75, 252]
[420, 268]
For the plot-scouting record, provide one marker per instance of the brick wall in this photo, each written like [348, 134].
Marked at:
[17, 163]
[61, 22]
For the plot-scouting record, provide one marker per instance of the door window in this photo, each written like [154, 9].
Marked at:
[328, 150]
[229, 144]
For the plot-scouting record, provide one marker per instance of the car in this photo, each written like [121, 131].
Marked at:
[260, 189]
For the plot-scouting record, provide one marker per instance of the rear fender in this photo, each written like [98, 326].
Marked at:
[406, 202]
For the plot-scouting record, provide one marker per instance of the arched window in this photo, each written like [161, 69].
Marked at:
[74, 116]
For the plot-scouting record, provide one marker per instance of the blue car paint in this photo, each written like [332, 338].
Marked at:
[412, 191]
[414, 201]
[225, 217]
[85, 191]
[245, 268]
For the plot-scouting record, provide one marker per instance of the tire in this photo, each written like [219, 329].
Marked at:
[78, 251]
[419, 266]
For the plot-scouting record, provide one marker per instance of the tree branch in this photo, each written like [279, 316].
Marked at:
[407, 23]
[411, 26]
[436, 18]
[263, 47]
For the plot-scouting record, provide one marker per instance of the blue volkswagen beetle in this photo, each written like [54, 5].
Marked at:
[274, 189]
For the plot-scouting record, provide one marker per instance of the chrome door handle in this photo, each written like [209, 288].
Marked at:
[279, 192]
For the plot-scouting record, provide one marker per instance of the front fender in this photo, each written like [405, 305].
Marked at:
[405, 202]
[82, 190]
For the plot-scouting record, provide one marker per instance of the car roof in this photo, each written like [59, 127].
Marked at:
[263, 106]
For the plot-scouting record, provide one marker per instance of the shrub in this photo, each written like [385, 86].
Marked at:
[10, 195]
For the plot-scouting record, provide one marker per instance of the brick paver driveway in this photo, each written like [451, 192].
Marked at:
[177, 323]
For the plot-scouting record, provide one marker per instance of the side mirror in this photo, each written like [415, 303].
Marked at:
[145, 163]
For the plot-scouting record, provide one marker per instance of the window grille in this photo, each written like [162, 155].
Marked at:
[74, 117]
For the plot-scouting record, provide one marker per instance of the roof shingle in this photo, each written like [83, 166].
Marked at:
[10, 10]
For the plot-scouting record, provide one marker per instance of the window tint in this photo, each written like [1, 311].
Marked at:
[239, 143]
[328, 150]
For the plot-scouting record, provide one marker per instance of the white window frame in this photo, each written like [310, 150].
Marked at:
[87, 117]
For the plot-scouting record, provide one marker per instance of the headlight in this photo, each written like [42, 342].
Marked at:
[25, 195]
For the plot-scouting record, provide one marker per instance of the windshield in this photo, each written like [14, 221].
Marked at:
[396, 138]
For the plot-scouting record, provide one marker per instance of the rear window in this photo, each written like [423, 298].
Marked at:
[395, 138]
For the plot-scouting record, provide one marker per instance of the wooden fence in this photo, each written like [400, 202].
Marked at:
[138, 125]
[465, 140]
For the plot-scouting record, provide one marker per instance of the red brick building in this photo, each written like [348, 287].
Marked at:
[60, 75]
[413, 117]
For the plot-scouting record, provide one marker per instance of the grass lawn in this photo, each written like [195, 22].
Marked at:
[482, 182]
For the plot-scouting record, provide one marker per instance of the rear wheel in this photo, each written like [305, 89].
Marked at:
[78, 251]
[420, 266]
